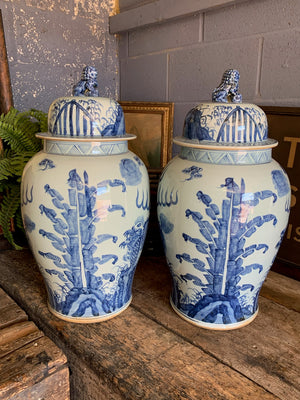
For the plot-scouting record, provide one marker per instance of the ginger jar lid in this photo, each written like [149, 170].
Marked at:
[226, 121]
[85, 115]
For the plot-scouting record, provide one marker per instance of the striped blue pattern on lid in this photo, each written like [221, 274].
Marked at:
[226, 119]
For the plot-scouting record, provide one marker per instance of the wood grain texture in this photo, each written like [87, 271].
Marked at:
[53, 387]
[17, 336]
[32, 367]
[282, 290]
[267, 350]
[148, 352]
[16, 331]
[29, 365]
[10, 312]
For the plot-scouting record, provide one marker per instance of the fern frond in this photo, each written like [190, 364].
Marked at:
[10, 204]
[6, 170]
[26, 128]
[12, 164]
[10, 116]
[18, 131]
[42, 119]
[19, 222]
[18, 163]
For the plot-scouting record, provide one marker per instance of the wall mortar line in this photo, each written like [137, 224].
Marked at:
[259, 67]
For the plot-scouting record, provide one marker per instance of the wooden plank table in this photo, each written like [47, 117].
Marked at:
[150, 353]
[32, 367]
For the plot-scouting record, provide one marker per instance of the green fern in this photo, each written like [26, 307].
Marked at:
[17, 131]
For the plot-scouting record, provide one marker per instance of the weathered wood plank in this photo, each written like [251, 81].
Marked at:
[10, 312]
[5, 300]
[138, 354]
[53, 387]
[18, 335]
[143, 360]
[28, 366]
[283, 290]
[267, 350]
[16, 331]
[93, 384]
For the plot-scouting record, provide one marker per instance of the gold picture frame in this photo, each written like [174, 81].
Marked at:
[152, 123]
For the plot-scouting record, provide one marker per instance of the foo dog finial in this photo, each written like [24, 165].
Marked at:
[88, 85]
[228, 90]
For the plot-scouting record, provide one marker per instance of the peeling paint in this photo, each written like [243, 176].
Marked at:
[93, 7]
[51, 5]
[50, 41]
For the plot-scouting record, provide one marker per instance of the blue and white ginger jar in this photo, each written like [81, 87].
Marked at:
[223, 207]
[85, 208]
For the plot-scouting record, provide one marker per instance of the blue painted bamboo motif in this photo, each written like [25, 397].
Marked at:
[222, 243]
[82, 289]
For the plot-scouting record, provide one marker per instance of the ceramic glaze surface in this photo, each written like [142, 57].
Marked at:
[226, 123]
[221, 240]
[86, 117]
[85, 206]
[223, 207]
[86, 220]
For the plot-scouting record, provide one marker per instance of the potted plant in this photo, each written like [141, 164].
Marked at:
[19, 144]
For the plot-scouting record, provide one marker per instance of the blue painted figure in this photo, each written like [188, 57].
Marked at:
[135, 238]
[46, 164]
[193, 172]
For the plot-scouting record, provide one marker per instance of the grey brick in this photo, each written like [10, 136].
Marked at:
[169, 35]
[280, 77]
[250, 18]
[123, 45]
[144, 78]
[195, 72]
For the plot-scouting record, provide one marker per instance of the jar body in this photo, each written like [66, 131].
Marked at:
[222, 217]
[85, 208]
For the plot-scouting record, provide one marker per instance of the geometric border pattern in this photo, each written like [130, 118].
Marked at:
[236, 157]
[85, 148]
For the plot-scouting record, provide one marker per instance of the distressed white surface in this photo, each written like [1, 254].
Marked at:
[50, 41]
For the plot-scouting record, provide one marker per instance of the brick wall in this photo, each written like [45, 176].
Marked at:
[182, 58]
[50, 41]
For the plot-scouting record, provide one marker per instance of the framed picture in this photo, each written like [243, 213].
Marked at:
[284, 126]
[152, 123]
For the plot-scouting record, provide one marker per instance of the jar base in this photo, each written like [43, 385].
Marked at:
[217, 327]
[89, 320]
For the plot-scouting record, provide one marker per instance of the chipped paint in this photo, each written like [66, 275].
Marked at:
[50, 41]
[51, 5]
[93, 7]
